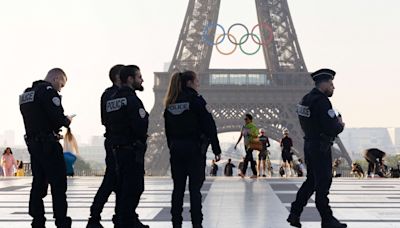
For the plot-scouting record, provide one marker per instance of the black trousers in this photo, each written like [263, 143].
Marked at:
[48, 167]
[373, 163]
[247, 159]
[187, 160]
[130, 184]
[108, 184]
[318, 158]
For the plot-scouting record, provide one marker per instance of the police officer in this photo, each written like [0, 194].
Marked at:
[127, 124]
[43, 115]
[109, 179]
[189, 128]
[320, 125]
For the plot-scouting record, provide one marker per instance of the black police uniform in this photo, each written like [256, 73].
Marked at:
[320, 125]
[189, 128]
[43, 115]
[127, 125]
[109, 179]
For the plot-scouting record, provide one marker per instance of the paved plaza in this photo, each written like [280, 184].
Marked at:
[228, 202]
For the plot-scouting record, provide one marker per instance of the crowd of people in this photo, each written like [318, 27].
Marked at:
[256, 140]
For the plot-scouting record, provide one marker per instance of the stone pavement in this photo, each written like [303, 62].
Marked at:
[227, 202]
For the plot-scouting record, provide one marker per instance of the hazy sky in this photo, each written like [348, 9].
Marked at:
[357, 38]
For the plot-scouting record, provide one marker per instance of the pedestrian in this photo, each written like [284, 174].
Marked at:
[108, 185]
[8, 162]
[249, 132]
[20, 169]
[127, 122]
[357, 170]
[263, 155]
[374, 158]
[189, 128]
[228, 171]
[43, 117]
[321, 126]
[70, 152]
[335, 167]
[287, 155]
[214, 168]
[240, 167]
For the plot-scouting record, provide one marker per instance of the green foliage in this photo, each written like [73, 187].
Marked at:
[81, 165]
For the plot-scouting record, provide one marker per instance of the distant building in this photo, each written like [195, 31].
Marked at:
[356, 140]
[8, 138]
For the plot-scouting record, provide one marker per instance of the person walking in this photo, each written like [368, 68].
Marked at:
[249, 133]
[189, 128]
[321, 126]
[228, 171]
[108, 185]
[8, 162]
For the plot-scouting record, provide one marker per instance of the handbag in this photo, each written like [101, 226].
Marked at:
[256, 144]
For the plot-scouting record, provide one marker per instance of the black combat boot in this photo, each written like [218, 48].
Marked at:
[294, 220]
[332, 223]
[94, 223]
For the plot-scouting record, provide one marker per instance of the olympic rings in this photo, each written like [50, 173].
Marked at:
[205, 34]
[247, 36]
[226, 53]
[263, 41]
[247, 32]
[270, 35]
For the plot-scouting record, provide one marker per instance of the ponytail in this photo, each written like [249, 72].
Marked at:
[174, 89]
[177, 83]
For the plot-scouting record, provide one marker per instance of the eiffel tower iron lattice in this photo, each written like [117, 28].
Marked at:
[273, 91]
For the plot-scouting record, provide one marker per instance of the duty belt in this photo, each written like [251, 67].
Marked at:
[321, 137]
[43, 137]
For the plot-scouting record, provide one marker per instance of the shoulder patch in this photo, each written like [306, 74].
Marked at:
[56, 101]
[331, 113]
[49, 87]
[178, 108]
[27, 97]
[142, 113]
[303, 111]
[116, 104]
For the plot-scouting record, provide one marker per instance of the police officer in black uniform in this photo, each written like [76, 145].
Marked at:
[190, 128]
[320, 125]
[109, 180]
[127, 124]
[43, 116]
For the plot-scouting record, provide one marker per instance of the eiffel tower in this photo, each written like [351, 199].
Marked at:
[269, 94]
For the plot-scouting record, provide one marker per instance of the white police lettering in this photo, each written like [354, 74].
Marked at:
[56, 101]
[303, 111]
[116, 104]
[142, 113]
[178, 108]
[331, 113]
[27, 97]
[49, 87]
